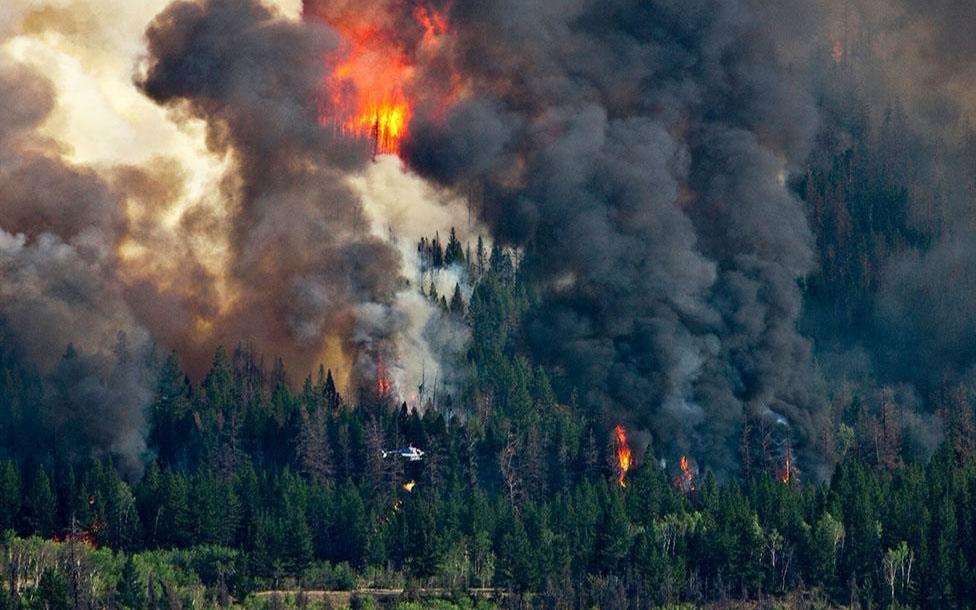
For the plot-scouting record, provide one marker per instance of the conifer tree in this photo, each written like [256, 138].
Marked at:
[10, 495]
[40, 505]
[454, 252]
[456, 305]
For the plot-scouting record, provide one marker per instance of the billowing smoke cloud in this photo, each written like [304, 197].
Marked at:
[638, 150]
[304, 262]
[59, 227]
[282, 256]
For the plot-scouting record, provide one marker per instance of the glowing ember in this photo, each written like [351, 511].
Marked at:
[371, 76]
[408, 486]
[623, 454]
[685, 481]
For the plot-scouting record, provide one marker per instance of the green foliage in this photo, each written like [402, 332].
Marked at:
[52, 591]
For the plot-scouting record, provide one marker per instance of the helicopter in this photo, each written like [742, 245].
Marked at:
[409, 453]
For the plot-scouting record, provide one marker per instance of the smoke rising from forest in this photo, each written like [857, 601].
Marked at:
[641, 153]
[638, 152]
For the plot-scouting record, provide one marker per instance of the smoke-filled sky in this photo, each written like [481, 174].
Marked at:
[167, 171]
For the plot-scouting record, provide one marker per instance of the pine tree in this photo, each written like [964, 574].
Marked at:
[437, 253]
[331, 396]
[9, 495]
[424, 547]
[53, 591]
[613, 533]
[40, 505]
[515, 561]
[297, 538]
[174, 515]
[121, 526]
[482, 261]
[350, 531]
[130, 592]
[218, 384]
[454, 253]
[457, 301]
[501, 263]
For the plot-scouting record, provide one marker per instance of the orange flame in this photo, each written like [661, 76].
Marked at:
[623, 455]
[372, 74]
[408, 486]
[685, 481]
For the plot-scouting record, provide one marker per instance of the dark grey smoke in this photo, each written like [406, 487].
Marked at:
[59, 227]
[639, 151]
[303, 262]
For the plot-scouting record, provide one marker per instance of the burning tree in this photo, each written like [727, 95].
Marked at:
[624, 454]
[789, 472]
[368, 90]
[685, 480]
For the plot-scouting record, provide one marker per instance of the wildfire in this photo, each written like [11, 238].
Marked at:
[787, 474]
[408, 486]
[88, 537]
[372, 73]
[623, 454]
[383, 384]
[685, 481]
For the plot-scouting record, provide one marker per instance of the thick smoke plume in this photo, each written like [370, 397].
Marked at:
[59, 229]
[638, 151]
[281, 256]
[303, 262]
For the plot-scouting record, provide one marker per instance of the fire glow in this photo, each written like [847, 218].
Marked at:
[372, 72]
[623, 454]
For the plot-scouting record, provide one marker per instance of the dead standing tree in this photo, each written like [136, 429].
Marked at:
[508, 463]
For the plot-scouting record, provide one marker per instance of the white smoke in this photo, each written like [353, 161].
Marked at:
[430, 344]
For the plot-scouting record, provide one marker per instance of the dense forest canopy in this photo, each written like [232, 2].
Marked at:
[675, 300]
